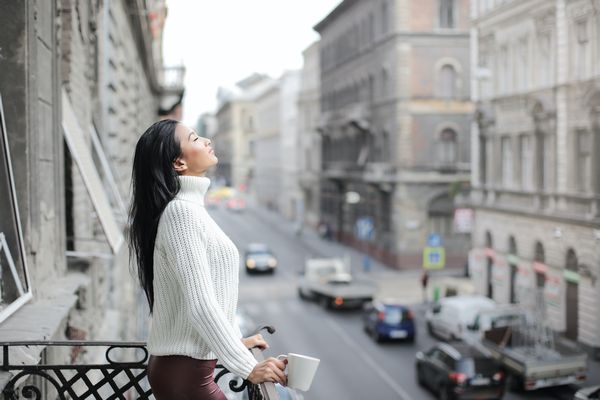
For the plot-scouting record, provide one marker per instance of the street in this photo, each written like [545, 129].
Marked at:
[352, 365]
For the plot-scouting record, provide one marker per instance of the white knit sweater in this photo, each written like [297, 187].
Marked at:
[196, 269]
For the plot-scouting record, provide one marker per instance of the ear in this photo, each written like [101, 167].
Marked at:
[179, 165]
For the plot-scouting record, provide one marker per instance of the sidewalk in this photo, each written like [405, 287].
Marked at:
[402, 285]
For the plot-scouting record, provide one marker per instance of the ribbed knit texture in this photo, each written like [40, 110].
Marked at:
[196, 269]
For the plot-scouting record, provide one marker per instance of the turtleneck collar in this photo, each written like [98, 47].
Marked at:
[193, 188]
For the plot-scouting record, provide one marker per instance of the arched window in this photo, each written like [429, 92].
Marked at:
[440, 212]
[489, 265]
[512, 246]
[384, 82]
[447, 82]
[447, 148]
[371, 88]
[488, 240]
[572, 296]
[539, 256]
[512, 251]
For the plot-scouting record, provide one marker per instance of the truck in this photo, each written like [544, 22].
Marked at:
[329, 282]
[533, 364]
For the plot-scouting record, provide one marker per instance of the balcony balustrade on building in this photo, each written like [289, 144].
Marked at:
[172, 79]
[107, 380]
[584, 207]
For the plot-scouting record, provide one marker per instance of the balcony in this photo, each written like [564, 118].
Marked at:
[379, 172]
[120, 375]
[584, 208]
[341, 170]
[171, 80]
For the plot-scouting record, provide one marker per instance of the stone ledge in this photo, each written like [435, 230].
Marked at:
[40, 320]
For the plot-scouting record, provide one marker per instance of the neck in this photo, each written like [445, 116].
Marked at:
[193, 188]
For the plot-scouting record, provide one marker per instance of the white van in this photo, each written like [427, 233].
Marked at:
[498, 317]
[449, 318]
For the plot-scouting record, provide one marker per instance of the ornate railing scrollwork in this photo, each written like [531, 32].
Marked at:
[108, 380]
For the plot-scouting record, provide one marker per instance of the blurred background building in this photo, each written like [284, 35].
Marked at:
[235, 128]
[395, 113]
[536, 162]
[309, 145]
[80, 81]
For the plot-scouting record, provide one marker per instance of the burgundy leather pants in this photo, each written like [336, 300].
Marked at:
[183, 378]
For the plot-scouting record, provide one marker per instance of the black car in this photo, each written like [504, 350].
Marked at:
[588, 393]
[259, 258]
[460, 371]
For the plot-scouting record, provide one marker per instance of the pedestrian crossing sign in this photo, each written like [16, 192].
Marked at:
[434, 258]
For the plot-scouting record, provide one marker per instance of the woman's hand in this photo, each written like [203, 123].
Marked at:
[255, 341]
[269, 370]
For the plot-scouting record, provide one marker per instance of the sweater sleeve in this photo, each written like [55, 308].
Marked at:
[187, 252]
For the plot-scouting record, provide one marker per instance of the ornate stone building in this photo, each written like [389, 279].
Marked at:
[80, 80]
[395, 112]
[536, 163]
[309, 145]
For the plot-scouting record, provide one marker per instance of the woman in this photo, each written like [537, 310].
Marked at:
[188, 269]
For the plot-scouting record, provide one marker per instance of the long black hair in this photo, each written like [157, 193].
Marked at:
[154, 184]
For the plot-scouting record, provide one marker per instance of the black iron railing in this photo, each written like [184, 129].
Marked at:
[110, 379]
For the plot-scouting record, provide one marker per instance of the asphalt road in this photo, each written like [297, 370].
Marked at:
[352, 365]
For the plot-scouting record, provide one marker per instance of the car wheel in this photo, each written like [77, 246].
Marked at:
[324, 302]
[411, 339]
[420, 378]
[515, 383]
[430, 329]
[376, 336]
[443, 393]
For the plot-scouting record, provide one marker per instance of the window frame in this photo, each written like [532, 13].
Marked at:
[26, 293]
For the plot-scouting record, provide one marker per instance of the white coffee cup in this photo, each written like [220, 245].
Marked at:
[301, 370]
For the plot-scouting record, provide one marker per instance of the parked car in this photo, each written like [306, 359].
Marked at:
[449, 318]
[459, 371]
[212, 202]
[588, 393]
[236, 204]
[389, 320]
[259, 258]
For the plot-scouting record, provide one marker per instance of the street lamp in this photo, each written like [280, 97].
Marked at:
[352, 197]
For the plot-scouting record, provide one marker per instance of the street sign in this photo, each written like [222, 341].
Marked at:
[463, 220]
[434, 240]
[364, 228]
[434, 258]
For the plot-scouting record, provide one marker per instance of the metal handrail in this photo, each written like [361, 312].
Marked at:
[64, 377]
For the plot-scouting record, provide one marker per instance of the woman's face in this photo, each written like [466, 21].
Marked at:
[197, 154]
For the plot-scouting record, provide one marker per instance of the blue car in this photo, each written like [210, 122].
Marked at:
[386, 320]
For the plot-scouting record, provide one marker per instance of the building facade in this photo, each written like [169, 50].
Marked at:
[536, 163]
[291, 201]
[395, 113]
[80, 81]
[266, 148]
[309, 145]
[235, 128]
